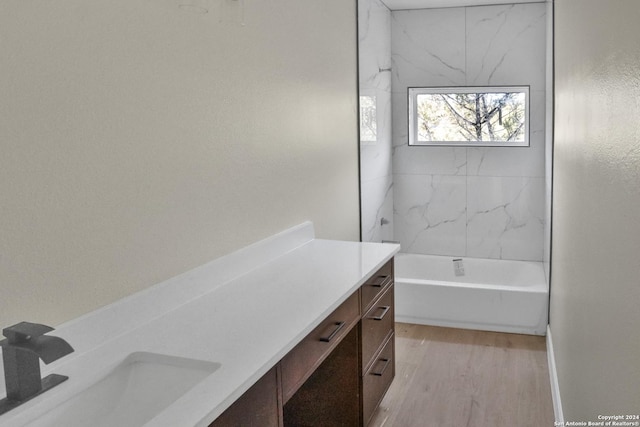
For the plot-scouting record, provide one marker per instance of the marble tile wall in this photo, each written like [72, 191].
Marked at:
[479, 202]
[376, 176]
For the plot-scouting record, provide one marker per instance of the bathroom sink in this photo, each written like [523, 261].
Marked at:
[131, 394]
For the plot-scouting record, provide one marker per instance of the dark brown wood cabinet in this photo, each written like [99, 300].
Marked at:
[337, 375]
[260, 406]
[377, 330]
[377, 379]
[330, 397]
[306, 357]
[377, 325]
[373, 287]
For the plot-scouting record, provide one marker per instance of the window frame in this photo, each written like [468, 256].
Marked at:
[412, 95]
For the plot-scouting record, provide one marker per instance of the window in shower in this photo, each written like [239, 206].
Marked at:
[368, 120]
[469, 116]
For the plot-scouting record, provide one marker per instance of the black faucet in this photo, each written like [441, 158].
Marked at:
[24, 345]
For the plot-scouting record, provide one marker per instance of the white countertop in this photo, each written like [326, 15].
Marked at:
[244, 311]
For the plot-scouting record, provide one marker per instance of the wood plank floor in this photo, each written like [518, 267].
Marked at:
[449, 377]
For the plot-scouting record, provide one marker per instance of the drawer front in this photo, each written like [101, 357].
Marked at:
[372, 288]
[377, 379]
[377, 324]
[300, 362]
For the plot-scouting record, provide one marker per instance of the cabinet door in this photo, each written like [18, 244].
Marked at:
[257, 407]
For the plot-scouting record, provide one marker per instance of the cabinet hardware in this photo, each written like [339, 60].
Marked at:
[384, 309]
[338, 326]
[379, 281]
[384, 368]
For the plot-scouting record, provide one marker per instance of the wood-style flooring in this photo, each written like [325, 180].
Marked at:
[460, 378]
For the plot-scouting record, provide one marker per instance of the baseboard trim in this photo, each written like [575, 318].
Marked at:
[553, 378]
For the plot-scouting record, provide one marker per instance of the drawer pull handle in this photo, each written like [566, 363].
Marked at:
[379, 281]
[384, 309]
[338, 326]
[384, 367]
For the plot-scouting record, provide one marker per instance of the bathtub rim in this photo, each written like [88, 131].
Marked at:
[539, 288]
[539, 285]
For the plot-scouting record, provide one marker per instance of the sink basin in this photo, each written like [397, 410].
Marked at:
[131, 394]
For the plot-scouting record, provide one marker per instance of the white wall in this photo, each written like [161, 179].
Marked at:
[595, 289]
[477, 202]
[548, 149]
[139, 141]
[376, 176]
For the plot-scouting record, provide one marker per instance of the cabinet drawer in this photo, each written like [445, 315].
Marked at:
[377, 324]
[377, 379]
[372, 288]
[300, 362]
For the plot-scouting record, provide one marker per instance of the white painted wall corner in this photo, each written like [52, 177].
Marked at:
[553, 378]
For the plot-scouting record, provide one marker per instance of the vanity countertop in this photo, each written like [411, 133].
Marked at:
[244, 311]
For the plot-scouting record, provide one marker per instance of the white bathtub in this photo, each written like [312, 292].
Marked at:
[493, 295]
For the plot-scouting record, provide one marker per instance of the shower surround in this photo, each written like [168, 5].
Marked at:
[477, 202]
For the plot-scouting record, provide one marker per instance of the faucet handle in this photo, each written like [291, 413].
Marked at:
[24, 331]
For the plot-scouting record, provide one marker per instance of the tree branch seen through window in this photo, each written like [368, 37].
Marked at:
[469, 116]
